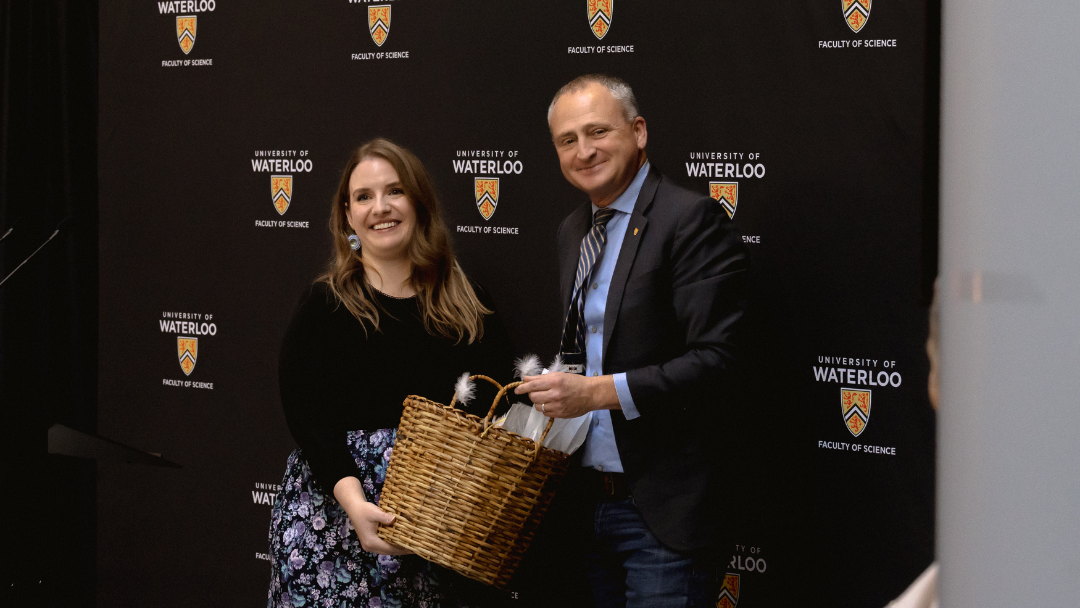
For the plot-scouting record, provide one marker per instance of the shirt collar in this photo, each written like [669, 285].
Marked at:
[628, 198]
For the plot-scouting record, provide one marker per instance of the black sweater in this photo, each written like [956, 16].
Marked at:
[334, 379]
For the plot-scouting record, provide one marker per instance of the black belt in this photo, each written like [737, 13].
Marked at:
[606, 486]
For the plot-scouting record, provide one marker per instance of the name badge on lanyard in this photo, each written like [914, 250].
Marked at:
[575, 362]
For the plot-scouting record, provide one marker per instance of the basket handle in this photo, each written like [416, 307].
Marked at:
[482, 377]
[502, 392]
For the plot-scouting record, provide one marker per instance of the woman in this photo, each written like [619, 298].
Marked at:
[393, 316]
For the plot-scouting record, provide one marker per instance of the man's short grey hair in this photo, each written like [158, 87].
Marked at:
[616, 86]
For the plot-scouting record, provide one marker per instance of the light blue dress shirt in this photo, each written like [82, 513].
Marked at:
[600, 451]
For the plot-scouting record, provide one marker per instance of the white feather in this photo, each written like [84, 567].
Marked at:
[465, 389]
[529, 365]
[557, 365]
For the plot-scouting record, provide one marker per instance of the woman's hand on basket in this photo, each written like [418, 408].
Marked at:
[562, 395]
[365, 517]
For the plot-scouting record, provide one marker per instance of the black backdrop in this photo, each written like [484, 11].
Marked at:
[831, 123]
[48, 309]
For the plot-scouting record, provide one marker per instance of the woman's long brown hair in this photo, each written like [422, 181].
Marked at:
[448, 304]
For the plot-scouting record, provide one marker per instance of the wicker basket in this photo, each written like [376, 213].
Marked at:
[467, 495]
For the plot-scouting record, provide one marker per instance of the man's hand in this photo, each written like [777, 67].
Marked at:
[562, 395]
[365, 517]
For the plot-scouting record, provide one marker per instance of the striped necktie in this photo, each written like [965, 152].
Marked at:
[592, 247]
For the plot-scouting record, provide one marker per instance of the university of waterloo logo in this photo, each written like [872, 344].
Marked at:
[378, 18]
[487, 195]
[855, 405]
[600, 17]
[281, 191]
[187, 350]
[729, 592]
[856, 12]
[185, 32]
[727, 194]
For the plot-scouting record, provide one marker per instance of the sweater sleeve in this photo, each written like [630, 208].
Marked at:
[496, 354]
[309, 367]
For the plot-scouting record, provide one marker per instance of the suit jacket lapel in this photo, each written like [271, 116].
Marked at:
[577, 226]
[638, 222]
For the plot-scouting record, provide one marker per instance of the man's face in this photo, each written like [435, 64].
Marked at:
[599, 151]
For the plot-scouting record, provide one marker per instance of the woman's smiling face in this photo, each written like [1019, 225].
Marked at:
[379, 211]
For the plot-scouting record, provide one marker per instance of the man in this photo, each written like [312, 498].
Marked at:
[654, 282]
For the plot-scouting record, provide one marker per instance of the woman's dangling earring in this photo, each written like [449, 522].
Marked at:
[354, 242]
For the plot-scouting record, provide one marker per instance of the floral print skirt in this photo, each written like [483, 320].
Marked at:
[316, 556]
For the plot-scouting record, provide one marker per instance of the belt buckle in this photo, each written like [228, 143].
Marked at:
[609, 484]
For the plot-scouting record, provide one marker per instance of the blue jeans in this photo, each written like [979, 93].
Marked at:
[628, 567]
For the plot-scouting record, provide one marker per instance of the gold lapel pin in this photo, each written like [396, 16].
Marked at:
[635, 231]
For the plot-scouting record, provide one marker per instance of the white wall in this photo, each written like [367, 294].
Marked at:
[1009, 420]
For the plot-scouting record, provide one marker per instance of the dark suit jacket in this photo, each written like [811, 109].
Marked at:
[674, 310]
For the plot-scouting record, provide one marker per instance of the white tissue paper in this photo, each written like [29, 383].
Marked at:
[566, 435]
